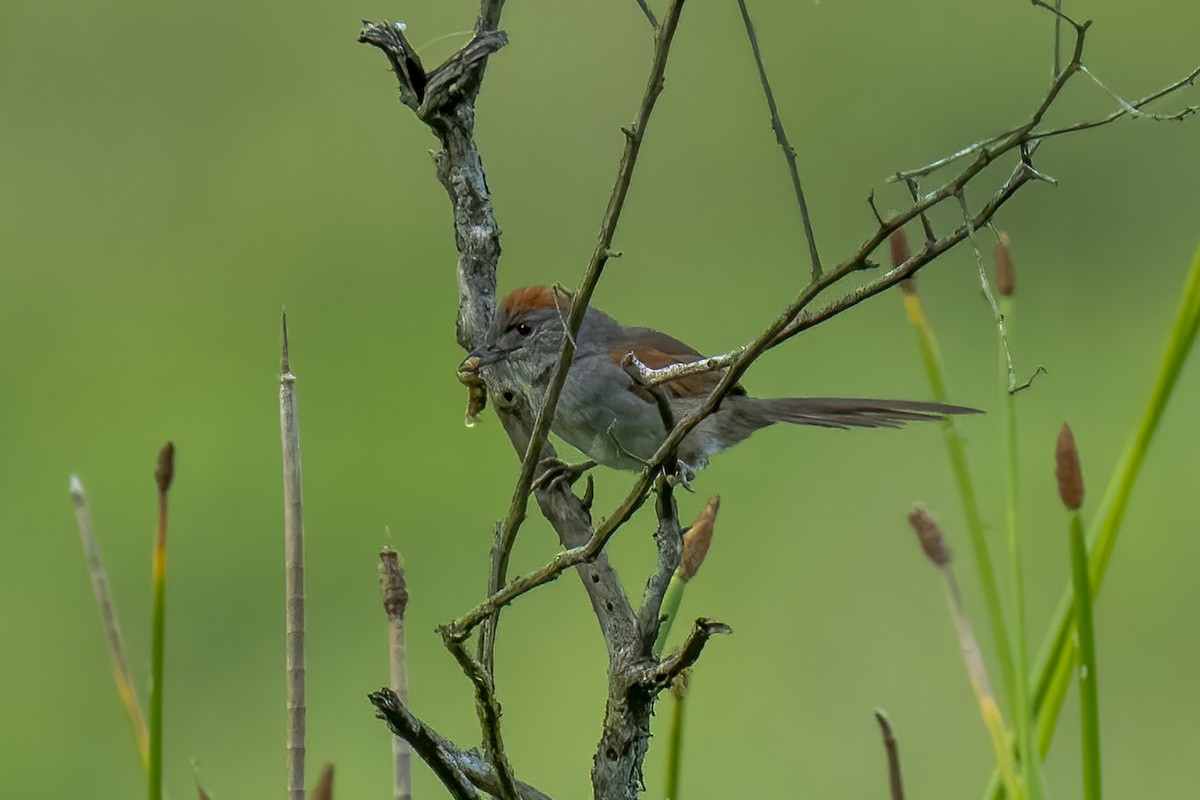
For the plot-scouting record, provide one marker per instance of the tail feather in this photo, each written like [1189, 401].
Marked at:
[849, 412]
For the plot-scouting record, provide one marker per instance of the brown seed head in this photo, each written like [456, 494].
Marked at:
[697, 539]
[391, 581]
[166, 468]
[930, 536]
[1068, 470]
[1006, 278]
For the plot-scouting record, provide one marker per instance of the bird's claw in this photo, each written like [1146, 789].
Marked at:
[556, 472]
[683, 475]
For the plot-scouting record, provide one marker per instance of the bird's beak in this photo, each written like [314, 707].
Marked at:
[479, 357]
[484, 355]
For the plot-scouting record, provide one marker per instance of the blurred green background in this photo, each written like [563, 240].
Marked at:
[175, 173]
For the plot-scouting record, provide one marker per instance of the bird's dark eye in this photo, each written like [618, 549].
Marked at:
[524, 328]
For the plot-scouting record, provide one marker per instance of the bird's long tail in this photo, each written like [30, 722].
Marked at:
[845, 412]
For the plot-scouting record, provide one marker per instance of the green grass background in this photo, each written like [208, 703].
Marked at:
[174, 174]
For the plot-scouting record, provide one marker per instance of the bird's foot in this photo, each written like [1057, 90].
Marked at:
[683, 475]
[556, 472]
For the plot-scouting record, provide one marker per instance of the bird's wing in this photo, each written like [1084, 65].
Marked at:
[657, 350]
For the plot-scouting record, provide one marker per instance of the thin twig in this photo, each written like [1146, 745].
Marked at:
[895, 784]
[488, 709]
[395, 604]
[1057, 38]
[108, 618]
[579, 304]
[662, 674]
[987, 291]
[462, 771]
[649, 14]
[789, 152]
[293, 558]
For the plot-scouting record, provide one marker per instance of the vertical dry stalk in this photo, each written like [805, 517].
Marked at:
[395, 603]
[293, 557]
[108, 617]
[895, 783]
[933, 542]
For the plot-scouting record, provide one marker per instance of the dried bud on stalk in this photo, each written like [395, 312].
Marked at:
[324, 788]
[166, 468]
[900, 254]
[1067, 469]
[930, 536]
[697, 539]
[681, 684]
[391, 581]
[468, 375]
[1006, 278]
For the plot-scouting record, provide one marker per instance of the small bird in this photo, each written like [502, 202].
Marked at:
[615, 420]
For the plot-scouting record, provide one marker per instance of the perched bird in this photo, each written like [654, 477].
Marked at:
[615, 420]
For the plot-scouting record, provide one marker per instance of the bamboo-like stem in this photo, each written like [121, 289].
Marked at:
[395, 604]
[293, 557]
[162, 476]
[108, 618]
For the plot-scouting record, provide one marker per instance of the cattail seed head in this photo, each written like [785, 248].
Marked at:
[697, 539]
[930, 536]
[1006, 278]
[1068, 470]
[166, 468]
[392, 583]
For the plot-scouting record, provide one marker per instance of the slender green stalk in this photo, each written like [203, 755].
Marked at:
[696, 541]
[670, 609]
[166, 468]
[1057, 655]
[679, 692]
[1089, 703]
[966, 490]
[1070, 490]
[1023, 717]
